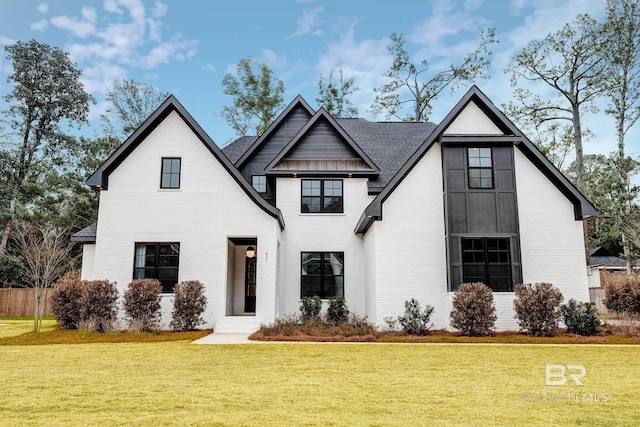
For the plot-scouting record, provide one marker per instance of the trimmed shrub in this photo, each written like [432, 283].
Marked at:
[623, 296]
[65, 300]
[98, 303]
[415, 321]
[537, 308]
[337, 312]
[141, 301]
[474, 312]
[189, 302]
[581, 318]
[310, 307]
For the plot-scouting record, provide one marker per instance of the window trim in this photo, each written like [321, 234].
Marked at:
[486, 263]
[157, 267]
[480, 168]
[321, 196]
[171, 173]
[322, 255]
[254, 185]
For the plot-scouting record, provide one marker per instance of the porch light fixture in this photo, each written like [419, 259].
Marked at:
[251, 252]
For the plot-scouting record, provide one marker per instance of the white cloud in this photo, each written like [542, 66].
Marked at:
[79, 28]
[210, 67]
[42, 8]
[309, 23]
[111, 6]
[41, 25]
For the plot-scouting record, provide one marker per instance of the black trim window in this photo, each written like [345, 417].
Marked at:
[322, 195]
[480, 167]
[157, 261]
[259, 183]
[322, 274]
[170, 172]
[487, 260]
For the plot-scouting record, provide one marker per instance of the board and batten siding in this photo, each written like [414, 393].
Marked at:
[322, 232]
[208, 208]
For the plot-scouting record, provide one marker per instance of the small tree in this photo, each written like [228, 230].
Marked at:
[415, 321]
[537, 308]
[623, 296]
[141, 301]
[189, 302]
[99, 303]
[474, 312]
[45, 249]
[65, 299]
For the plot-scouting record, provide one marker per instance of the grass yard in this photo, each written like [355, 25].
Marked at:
[178, 383]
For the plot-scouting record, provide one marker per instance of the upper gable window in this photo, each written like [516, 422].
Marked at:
[322, 195]
[259, 183]
[480, 167]
[170, 172]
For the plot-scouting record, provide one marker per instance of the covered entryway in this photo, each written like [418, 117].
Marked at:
[241, 276]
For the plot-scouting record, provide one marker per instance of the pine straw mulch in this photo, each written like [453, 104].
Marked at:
[609, 335]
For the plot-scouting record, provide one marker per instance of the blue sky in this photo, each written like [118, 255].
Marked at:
[186, 47]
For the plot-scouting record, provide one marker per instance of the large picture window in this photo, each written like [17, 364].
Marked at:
[170, 173]
[487, 260]
[158, 261]
[322, 195]
[322, 274]
[480, 168]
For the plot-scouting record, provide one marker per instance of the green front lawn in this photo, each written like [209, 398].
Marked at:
[178, 383]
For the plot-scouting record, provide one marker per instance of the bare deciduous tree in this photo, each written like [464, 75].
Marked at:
[45, 249]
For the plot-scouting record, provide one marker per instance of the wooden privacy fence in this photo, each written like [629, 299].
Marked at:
[21, 302]
[596, 296]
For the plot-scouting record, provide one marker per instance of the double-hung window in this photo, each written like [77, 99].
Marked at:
[170, 177]
[322, 195]
[480, 167]
[158, 261]
[487, 260]
[322, 274]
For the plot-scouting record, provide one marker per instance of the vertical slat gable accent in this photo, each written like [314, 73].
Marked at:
[322, 142]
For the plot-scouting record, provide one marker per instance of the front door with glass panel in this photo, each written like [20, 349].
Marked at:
[250, 286]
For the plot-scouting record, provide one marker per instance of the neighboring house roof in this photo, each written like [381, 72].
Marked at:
[86, 235]
[582, 207]
[600, 257]
[100, 178]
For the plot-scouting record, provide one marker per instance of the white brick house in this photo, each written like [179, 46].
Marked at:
[376, 212]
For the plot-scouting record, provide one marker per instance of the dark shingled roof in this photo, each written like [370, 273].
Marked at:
[235, 149]
[388, 144]
[86, 235]
[601, 257]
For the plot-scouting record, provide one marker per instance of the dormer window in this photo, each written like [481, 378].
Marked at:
[170, 177]
[480, 167]
[322, 196]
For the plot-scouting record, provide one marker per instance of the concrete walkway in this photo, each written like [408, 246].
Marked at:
[225, 339]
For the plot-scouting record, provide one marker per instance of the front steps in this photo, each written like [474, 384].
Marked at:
[237, 325]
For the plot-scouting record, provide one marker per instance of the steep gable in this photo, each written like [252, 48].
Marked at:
[322, 147]
[99, 180]
[493, 127]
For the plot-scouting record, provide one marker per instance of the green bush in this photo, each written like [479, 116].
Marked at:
[310, 307]
[337, 312]
[623, 296]
[414, 321]
[537, 308]
[189, 302]
[581, 318]
[98, 303]
[65, 300]
[141, 302]
[473, 312]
